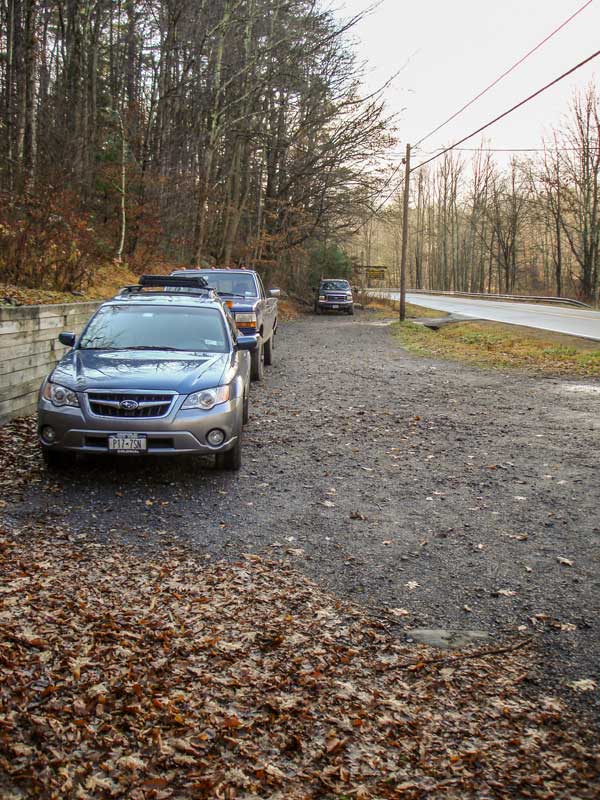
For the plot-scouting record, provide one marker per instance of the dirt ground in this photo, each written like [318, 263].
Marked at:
[434, 494]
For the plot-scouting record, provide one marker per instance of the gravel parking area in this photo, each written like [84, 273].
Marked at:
[434, 494]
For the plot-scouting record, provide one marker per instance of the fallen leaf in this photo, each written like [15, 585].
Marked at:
[583, 685]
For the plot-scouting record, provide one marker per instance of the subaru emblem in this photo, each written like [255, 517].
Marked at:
[129, 405]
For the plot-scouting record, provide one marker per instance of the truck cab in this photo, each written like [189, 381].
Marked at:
[253, 308]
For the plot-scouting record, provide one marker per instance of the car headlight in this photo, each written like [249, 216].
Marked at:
[349, 295]
[59, 395]
[246, 319]
[321, 297]
[207, 398]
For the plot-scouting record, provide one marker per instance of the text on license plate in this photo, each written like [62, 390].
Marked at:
[335, 305]
[127, 442]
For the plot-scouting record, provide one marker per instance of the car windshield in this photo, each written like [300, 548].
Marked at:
[129, 327]
[334, 286]
[239, 284]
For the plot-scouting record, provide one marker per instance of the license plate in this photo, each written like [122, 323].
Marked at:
[127, 442]
[335, 305]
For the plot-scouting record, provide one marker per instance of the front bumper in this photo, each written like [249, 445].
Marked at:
[335, 304]
[178, 432]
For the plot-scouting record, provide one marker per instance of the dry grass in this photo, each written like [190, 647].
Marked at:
[108, 280]
[496, 345]
[289, 309]
[386, 308]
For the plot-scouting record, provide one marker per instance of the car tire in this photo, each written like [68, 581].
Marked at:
[269, 347]
[56, 459]
[351, 311]
[257, 363]
[230, 460]
[246, 410]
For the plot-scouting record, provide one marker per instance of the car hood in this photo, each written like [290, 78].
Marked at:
[134, 369]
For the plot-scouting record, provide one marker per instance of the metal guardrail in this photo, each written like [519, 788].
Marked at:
[517, 297]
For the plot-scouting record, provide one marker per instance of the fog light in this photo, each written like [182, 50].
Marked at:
[48, 434]
[216, 437]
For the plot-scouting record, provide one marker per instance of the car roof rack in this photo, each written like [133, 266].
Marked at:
[188, 284]
[191, 281]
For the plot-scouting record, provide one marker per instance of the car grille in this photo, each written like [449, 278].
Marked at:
[110, 404]
[336, 298]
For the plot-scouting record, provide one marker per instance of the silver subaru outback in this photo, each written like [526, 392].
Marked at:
[161, 369]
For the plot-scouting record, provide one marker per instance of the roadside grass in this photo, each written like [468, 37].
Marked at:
[422, 312]
[490, 344]
[384, 307]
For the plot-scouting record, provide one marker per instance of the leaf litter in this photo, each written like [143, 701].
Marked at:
[131, 678]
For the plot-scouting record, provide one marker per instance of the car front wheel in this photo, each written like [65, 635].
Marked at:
[269, 347]
[257, 363]
[246, 409]
[231, 460]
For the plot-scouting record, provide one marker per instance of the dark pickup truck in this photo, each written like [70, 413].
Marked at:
[254, 309]
[334, 294]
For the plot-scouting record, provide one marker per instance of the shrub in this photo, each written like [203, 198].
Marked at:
[46, 242]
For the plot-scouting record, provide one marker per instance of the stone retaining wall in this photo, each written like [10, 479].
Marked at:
[29, 348]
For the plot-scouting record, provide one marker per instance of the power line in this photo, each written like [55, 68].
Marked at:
[507, 72]
[510, 110]
[479, 130]
[502, 150]
[519, 149]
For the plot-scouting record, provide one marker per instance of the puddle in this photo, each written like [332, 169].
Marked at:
[440, 637]
[581, 388]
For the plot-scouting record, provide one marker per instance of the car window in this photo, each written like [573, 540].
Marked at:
[332, 286]
[261, 287]
[232, 326]
[126, 327]
[241, 284]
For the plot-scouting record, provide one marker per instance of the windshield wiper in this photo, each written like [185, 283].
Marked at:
[235, 294]
[152, 347]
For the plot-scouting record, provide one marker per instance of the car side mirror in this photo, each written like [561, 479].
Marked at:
[68, 339]
[275, 292]
[249, 343]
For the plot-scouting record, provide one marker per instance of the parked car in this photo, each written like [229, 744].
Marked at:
[334, 294]
[160, 369]
[254, 309]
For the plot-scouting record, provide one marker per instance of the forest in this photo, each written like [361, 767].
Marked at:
[238, 132]
[529, 225]
[143, 132]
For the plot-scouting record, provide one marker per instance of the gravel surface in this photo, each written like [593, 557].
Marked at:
[451, 496]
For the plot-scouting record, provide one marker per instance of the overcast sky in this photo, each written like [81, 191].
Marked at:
[449, 51]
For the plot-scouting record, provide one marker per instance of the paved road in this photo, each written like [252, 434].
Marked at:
[561, 319]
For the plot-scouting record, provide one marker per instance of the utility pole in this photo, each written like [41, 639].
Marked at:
[404, 235]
